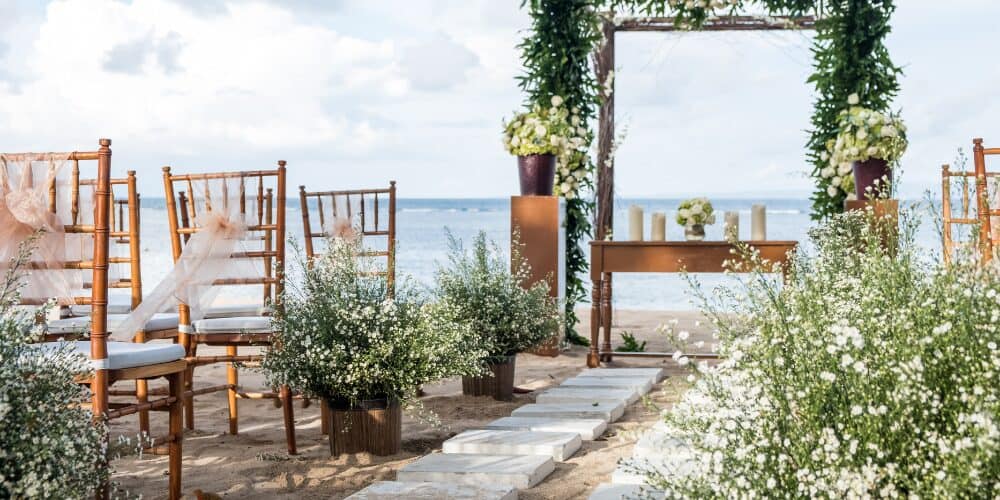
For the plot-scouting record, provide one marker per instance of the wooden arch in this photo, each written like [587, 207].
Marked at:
[604, 64]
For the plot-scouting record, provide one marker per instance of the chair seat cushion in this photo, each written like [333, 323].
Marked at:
[117, 304]
[159, 321]
[234, 311]
[239, 324]
[126, 354]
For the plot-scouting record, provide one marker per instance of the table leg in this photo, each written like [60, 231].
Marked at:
[593, 357]
[606, 316]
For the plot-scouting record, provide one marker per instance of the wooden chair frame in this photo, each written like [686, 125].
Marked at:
[375, 230]
[181, 211]
[983, 210]
[103, 376]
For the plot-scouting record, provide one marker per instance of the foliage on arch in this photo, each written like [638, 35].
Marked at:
[850, 58]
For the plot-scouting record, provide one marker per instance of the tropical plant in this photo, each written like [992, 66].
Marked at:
[867, 374]
[486, 290]
[694, 212]
[631, 344]
[50, 444]
[344, 336]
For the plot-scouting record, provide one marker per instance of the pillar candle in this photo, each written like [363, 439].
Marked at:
[758, 223]
[635, 223]
[731, 229]
[659, 230]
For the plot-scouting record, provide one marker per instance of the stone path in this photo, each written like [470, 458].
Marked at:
[519, 451]
[656, 449]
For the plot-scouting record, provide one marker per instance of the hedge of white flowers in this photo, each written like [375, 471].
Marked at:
[863, 134]
[488, 296]
[695, 211]
[869, 374]
[555, 130]
[50, 445]
[343, 337]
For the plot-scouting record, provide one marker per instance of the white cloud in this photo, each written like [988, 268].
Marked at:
[437, 63]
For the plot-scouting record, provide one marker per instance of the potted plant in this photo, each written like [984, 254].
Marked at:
[538, 137]
[869, 144]
[508, 317]
[342, 336]
[693, 215]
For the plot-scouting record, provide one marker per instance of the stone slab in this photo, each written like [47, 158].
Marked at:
[655, 374]
[606, 411]
[392, 490]
[558, 445]
[587, 429]
[516, 471]
[587, 395]
[642, 385]
[605, 491]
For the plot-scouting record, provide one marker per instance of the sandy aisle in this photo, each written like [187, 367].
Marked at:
[254, 464]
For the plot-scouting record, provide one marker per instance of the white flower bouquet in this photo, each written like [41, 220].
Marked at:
[544, 131]
[864, 375]
[863, 134]
[345, 338]
[694, 212]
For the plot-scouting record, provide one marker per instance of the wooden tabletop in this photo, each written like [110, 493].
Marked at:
[676, 256]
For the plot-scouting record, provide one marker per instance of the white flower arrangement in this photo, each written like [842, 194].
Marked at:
[507, 317]
[863, 134]
[694, 212]
[864, 375]
[50, 444]
[344, 337]
[552, 130]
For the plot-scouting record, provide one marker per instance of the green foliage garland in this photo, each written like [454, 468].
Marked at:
[850, 57]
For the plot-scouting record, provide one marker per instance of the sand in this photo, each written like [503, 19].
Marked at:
[255, 465]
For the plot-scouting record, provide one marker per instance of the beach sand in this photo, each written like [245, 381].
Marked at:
[254, 464]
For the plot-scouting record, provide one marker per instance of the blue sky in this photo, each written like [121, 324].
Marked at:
[353, 93]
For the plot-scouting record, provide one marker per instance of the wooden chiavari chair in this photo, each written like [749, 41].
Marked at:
[226, 330]
[113, 361]
[368, 223]
[985, 202]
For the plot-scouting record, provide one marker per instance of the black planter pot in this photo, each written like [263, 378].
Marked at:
[500, 385]
[537, 173]
[372, 426]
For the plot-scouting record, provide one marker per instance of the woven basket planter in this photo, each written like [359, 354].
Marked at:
[500, 385]
[373, 426]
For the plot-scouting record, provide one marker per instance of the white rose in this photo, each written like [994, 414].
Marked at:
[855, 151]
[581, 131]
[684, 213]
[575, 120]
[844, 168]
[556, 101]
[565, 187]
[853, 99]
[836, 181]
[872, 151]
[827, 172]
[695, 209]
[824, 156]
[540, 131]
[514, 141]
[888, 131]
[862, 134]
[831, 190]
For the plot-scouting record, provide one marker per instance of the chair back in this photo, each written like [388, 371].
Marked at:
[254, 198]
[983, 197]
[92, 236]
[368, 213]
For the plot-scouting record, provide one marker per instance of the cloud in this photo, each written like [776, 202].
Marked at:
[438, 63]
[130, 57]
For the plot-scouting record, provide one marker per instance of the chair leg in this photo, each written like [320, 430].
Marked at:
[142, 395]
[188, 386]
[324, 417]
[177, 382]
[288, 409]
[232, 378]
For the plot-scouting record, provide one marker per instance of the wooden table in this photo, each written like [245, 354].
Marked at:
[607, 257]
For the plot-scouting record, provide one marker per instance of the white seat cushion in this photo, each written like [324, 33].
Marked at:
[126, 354]
[159, 321]
[234, 311]
[117, 304]
[241, 324]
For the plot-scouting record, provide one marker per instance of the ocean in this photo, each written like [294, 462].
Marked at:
[422, 243]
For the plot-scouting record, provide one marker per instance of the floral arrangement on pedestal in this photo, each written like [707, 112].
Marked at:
[865, 374]
[548, 136]
[868, 146]
[693, 215]
[347, 338]
[50, 444]
[490, 297]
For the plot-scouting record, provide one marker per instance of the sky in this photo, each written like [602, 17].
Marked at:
[353, 93]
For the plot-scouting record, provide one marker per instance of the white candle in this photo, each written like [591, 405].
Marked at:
[758, 223]
[659, 230]
[731, 229]
[635, 223]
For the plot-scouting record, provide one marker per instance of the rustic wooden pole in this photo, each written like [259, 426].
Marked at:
[982, 200]
[605, 64]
